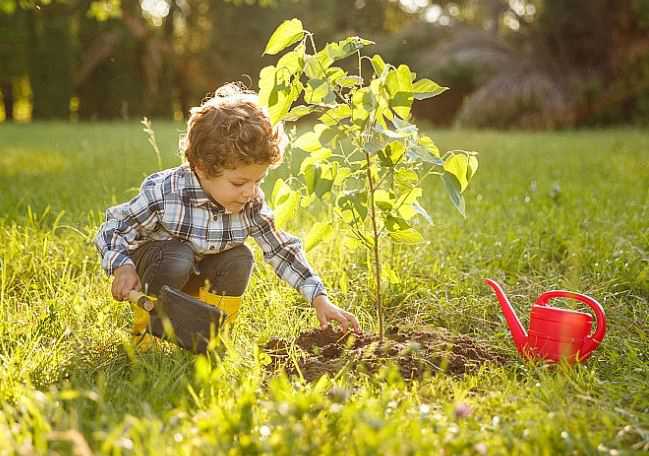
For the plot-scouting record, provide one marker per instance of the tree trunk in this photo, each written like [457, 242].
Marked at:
[8, 99]
[50, 61]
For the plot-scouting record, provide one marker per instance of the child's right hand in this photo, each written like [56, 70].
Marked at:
[126, 279]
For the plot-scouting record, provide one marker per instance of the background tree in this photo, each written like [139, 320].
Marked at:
[510, 63]
[13, 53]
[535, 64]
[50, 55]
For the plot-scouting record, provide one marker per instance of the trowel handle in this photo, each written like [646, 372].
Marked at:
[142, 300]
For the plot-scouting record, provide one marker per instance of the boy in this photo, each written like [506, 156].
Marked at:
[187, 226]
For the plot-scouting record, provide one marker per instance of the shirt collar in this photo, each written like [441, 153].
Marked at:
[194, 193]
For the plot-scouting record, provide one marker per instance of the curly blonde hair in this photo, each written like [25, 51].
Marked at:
[230, 129]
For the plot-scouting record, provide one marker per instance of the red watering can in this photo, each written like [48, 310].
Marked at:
[554, 333]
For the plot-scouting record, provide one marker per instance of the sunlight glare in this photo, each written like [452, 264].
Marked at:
[155, 8]
[433, 13]
[412, 6]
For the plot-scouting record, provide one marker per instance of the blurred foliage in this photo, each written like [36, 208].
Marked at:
[128, 58]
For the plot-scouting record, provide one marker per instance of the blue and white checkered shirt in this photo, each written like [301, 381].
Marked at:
[172, 204]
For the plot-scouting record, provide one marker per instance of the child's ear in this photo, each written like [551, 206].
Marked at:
[200, 170]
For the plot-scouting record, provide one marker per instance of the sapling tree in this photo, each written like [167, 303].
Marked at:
[366, 159]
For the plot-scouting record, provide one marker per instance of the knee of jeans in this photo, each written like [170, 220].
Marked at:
[177, 261]
[243, 254]
[240, 258]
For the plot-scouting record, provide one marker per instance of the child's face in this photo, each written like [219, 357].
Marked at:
[234, 187]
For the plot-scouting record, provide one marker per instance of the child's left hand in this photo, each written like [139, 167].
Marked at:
[327, 311]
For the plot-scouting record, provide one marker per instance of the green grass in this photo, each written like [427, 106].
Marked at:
[546, 210]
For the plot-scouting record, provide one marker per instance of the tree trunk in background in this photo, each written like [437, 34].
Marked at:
[163, 77]
[114, 88]
[8, 99]
[13, 51]
[50, 61]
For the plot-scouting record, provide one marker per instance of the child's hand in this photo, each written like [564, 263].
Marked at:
[327, 311]
[125, 280]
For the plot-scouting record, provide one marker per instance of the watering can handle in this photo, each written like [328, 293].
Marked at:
[595, 306]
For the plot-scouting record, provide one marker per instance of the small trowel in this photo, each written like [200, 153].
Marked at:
[180, 317]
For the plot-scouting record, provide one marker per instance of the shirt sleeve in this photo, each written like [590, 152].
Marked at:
[284, 253]
[126, 223]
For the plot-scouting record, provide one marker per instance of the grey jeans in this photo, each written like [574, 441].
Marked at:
[173, 263]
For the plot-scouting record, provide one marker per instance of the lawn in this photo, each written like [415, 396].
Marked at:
[546, 210]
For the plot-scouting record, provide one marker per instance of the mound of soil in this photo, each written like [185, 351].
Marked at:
[318, 352]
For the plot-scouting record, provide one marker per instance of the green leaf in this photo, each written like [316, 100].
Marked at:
[342, 173]
[308, 142]
[314, 158]
[353, 203]
[285, 203]
[312, 176]
[316, 141]
[388, 133]
[287, 210]
[340, 50]
[319, 92]
[425, 88]
[326, 134]
[378, 65]
[404, 127]
[409, 236]
[427, 142]
[406, 202]
[267, 81]
[292, 62]
[453, 189]
[335, 74]
[419, 153]
[383, 200]
[350, 81]
[287, 33]
[351, 243]
[313, 68]
[373, 146]
[406, 177]
[392, 153]
[319, 178]
[326, 181]
[280, 192]
[473, 166]
[399, 86]
[335, 115]
[276, 93]
[319, 232]
[298, 112]
[363, 103]
[457, 165]
[308, 200]
[393, 223]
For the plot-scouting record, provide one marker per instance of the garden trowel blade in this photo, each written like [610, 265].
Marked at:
[185, 320]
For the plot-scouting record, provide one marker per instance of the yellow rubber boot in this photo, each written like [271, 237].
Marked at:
[142, 340]
[228, 304]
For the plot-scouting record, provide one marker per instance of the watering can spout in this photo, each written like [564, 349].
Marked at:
[518, 333]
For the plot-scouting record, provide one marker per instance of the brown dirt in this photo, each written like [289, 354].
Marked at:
[319, 352]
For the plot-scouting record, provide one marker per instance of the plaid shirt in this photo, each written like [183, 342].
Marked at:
[173, 205]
